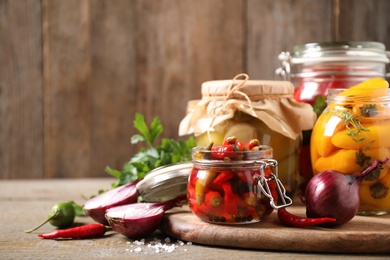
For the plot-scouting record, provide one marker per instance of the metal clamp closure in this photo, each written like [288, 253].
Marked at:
[263, 184]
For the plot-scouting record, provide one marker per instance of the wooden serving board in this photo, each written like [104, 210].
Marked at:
[363, 234]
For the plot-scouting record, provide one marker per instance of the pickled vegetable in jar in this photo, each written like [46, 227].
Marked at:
[252, 109]
[314, 68]
[351, 133]
[233, 184]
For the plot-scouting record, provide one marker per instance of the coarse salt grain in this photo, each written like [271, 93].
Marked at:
[156, 246]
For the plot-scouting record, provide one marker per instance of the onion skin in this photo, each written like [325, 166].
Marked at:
[338, 199]
[97, 206]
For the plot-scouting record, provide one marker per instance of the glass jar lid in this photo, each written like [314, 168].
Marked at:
[166, 182]
[340, 51]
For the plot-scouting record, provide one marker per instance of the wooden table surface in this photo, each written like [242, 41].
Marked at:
[26, 203]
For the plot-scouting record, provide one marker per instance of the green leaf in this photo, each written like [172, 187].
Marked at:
[156, 129]
[141, 126]
[137, 138]
[319, 104]
[169, 151]
[113, 172]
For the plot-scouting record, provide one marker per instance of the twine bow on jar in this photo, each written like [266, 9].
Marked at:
[232, 91]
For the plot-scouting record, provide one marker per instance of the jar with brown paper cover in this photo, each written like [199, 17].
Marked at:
[252, 109]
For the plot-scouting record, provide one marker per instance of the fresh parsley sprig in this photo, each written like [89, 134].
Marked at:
[148, 158]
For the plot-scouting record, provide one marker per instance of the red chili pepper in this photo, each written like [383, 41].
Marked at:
[222, 152]
[86, 231]
[242, 146]
[223, 176]
[230, 199]
[295, 221]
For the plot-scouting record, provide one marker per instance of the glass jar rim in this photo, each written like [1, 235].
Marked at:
[246, 158]
[360, 95]
[340, 51]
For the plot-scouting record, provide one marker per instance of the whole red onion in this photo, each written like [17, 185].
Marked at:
[336, 195]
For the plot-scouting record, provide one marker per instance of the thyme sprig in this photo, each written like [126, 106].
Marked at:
[354, 121]
[355, 128]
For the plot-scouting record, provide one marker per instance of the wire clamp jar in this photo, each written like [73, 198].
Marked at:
[263, 184]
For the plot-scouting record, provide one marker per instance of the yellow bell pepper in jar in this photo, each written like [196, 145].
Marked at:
[342, 160]
[329, 125]
[376, 154]
[351, 133]
[376, 196]
[370, 135]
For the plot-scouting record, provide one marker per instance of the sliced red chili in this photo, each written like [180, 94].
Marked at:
[213, 198]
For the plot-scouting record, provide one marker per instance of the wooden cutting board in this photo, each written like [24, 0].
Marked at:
[363, 234]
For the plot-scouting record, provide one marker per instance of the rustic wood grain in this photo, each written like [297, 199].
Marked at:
[181, 44]
[30, 205]
[113, 80]
[362, 234]
[74, 72]
[21, 92]
[67, 88]
[276, 26]
[365, 21]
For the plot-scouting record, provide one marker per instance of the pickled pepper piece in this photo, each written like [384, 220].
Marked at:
[202, 182]
[253, 143]
[224, 152]
[232, 200]
[230, 140]
[250, 198]
[202, 155]
[241, 146]
[223, 176]
[213, 198]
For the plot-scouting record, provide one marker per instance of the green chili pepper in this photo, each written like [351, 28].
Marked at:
[61, 215]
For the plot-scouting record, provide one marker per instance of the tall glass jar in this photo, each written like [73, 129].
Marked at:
[314, 68]
[244, 189]
[350, 134]
[252, 109]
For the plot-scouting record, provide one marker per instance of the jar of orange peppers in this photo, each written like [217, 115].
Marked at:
[352, 132]
[314, 68]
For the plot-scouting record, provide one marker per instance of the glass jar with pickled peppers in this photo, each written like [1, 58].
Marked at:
[351, 133]
[234, 186]
[314, 68]
[252, 109]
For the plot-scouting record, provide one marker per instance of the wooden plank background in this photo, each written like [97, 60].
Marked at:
[73, 73]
